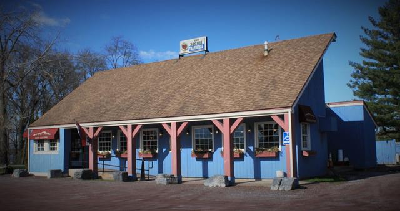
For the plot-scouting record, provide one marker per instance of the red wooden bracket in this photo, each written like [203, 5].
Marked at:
[181, 128]
[97, 133]
[219, 125]
[236, 124]
[136, 130]
[124, 130]
[167, 128]
[86, 131]
[283, 123]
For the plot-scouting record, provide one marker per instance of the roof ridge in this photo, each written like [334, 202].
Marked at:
[211, 53]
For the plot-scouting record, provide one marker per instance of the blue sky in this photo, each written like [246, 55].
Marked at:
[156, 27]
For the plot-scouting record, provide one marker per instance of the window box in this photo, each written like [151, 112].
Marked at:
[236, 153]
[266, 154]
[147, 154]
[309, 153]
[202, 155]
[104, 155]
[121, 154]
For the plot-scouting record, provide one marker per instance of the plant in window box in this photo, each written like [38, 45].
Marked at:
[147, 153]
[104, 154]
[267, 152]
[237, 153]
[122, 154]
[201, 153]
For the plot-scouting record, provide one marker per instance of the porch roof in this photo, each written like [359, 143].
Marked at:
[234, 80]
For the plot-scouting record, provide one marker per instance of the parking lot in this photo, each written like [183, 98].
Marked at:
[367, 191]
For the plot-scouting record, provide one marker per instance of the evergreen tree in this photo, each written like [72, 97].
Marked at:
[377, 79]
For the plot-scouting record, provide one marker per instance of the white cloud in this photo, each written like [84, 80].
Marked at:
[152, 55]
[42, 18]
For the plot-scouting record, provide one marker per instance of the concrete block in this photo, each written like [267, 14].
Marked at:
[288, 183]
[165, 179]
[20, 173]
[54, 173]
[120, 176]
[276, 183]
[84, 174]
[217, 181]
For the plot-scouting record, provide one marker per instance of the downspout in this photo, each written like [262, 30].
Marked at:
[291, 145]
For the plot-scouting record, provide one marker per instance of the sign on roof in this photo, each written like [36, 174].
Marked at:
[193, 45]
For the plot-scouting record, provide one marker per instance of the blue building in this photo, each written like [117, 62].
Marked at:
[355, 134]
[243, 113]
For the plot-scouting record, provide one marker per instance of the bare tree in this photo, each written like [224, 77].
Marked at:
[17, 29]
[121, 53]
[88, 63]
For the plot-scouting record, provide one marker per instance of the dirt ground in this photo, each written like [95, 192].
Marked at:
[367, 190]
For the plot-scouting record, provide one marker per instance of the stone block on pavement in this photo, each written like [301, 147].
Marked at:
[54, 173]
[165, 179]
[288, 183]
[20, 173]
[121, 176]
[276, 183]
[84, 174]
[217, 181]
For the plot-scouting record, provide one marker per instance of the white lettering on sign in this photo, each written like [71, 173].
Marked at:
[193, 45]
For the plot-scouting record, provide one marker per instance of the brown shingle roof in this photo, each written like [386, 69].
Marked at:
[227, 81]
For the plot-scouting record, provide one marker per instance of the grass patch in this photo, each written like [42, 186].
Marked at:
[326, 179]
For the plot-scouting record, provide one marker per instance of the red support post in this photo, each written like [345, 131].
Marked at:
[225, 129]
[93, 148]
[174, 133]
[285, 126]
[131, 147]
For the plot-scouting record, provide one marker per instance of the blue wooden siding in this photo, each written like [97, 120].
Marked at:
[45, 162]
[314, 97]
[398, 148]
[386, 152]
[247, 167]
[355, 135]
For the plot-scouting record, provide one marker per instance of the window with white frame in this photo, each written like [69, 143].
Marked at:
[105, 141]
[149, 140]
[305, 136]
[239, 137]
[122, 144]
[46, 146]
[268, 135]
[40, 146]
[203, 138]
[53, 145]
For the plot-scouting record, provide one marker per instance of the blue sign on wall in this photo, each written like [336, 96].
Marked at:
[286, 138]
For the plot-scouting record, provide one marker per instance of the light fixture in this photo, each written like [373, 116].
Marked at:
[161, 133]
[216, 131]
[187, 132]
[249, 130]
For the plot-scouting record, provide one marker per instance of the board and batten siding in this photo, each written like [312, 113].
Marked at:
[313, 96]
[42, 163]
[247, 167]
[386, 152]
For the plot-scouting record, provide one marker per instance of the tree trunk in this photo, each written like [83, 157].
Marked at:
[3, 142]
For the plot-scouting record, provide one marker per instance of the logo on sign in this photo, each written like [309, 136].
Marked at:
[286, 138]
[193, 45]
